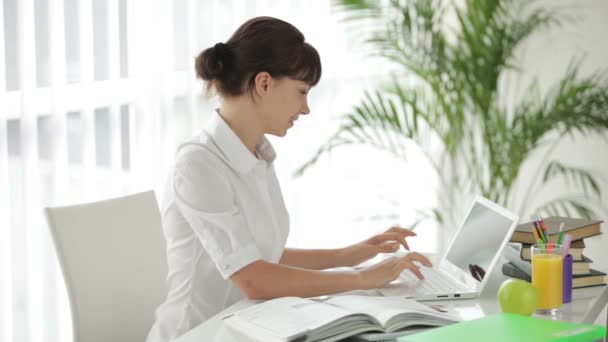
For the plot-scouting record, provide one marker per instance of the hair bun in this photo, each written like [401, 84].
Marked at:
[261, 44]
[212, 62]
[221, 50]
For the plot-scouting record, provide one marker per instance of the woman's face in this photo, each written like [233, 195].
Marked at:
[285, 100]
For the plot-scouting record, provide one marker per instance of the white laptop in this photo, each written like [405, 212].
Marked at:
[474, 250]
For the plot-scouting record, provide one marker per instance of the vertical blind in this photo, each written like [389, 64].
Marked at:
[96, 94]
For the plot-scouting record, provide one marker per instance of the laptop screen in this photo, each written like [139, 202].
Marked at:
[479, 239]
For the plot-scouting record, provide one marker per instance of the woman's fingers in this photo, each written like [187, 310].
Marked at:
[388, 247]
[415, 269]
[415, 256]
[389, 236]
[388, 270]
[403, 231]
[382, 238]
[408, 264]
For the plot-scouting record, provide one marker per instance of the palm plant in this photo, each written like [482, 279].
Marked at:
[447, 98]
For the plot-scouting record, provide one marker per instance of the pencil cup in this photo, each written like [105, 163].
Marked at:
[567, 279]
[547, 276]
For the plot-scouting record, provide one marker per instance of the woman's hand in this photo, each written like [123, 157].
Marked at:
[384, 272]
[387, 242]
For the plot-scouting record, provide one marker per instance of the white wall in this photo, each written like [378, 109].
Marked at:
[546, 56]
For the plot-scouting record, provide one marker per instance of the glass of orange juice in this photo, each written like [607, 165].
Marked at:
[547, 269]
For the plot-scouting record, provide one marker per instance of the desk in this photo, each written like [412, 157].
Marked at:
[486, 304]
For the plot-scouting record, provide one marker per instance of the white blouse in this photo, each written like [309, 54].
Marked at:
[222, 210]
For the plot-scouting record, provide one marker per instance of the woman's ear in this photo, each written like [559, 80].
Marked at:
[262, 83]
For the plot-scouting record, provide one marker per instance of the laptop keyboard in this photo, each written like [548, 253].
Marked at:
[433, 282]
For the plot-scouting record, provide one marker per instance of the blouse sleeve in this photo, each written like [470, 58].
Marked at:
[205, 198]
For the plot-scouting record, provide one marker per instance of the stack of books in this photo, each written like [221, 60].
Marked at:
[580, 229]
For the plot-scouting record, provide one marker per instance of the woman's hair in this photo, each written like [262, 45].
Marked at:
[260, 44]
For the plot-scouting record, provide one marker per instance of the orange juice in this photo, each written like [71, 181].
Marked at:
[547, 277]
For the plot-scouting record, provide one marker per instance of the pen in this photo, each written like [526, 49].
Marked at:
[544, 233]
[541, 245]
[560, 235]
[566, 246]
[539, 231]
[541, 222]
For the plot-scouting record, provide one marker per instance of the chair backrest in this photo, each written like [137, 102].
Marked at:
[112, 255]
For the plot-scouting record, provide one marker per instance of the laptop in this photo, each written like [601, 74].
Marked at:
[464, 268]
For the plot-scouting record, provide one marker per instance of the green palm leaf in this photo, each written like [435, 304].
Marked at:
[579, 178]
[448, 89]
[567, 207]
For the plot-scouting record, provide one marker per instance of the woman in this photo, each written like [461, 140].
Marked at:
[224, 219]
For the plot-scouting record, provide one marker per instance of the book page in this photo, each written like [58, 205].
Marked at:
[385, 308]
[288, 316]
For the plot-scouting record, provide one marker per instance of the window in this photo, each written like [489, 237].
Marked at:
[95, 96]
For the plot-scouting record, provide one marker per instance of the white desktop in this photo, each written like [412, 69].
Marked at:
[486, 304]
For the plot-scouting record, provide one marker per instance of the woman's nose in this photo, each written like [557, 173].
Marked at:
[305, 110]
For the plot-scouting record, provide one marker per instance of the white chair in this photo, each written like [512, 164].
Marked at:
[112, 255]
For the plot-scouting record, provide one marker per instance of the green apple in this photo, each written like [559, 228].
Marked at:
[518, 296]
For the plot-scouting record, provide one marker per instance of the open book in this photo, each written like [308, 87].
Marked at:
[300, 319]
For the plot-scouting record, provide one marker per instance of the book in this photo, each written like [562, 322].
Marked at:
[581, 266]
[592, 278]
[511, 327]
[332, 319]
[576, 250]
[578, 266]
[577, 227]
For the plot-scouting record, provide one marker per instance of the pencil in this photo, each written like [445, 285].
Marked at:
[560, 235]
[536, 237]
[541, 232]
